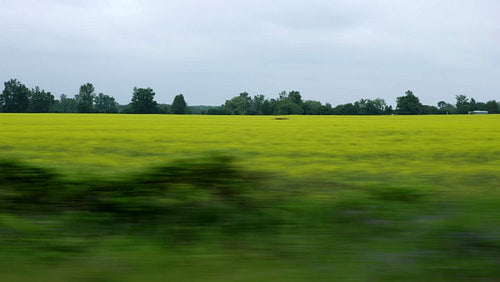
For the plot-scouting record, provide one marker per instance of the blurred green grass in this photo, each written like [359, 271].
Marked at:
[210, 219]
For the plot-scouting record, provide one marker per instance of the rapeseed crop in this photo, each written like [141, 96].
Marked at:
[434, 150]
[249, 198]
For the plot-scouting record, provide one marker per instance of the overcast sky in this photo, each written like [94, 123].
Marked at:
[330, 50]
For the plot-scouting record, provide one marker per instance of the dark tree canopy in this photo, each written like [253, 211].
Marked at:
[65, 105]
[143, 101]
[492, 107]
[288, 107]
[105, 104]
[295, 97]
[179, 105]
[239, 105]
[41, 101]
[408, 104]
[346, 109]
[312, 107]
[371, 107]
[15, 98]
[463, 104]
[85, 98]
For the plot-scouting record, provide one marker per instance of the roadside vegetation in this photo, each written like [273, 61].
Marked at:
[164, 197]
[218, 221]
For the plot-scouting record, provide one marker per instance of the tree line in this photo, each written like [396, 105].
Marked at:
[17, 98]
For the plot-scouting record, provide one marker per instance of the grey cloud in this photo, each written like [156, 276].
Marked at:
[333, 51]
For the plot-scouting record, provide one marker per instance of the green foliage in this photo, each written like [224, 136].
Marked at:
[371, 107]
[288, 107]
[105, 104]
[239, 105]
[222, 110]
[408, 104]
[312, 107]
[347, 109]
[179, 105]
[66, 105]
[159, 192]
[85, 98]
[295, 97]
[446, 108]
[143, 101]
[462, 104]
[41, 101]
[26, 188]
[15, 98]
[492, 107]
[208, 218]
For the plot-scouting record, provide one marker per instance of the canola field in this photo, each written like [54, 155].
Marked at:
[249, 198]
[441, 151]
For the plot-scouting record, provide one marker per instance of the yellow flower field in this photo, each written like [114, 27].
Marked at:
[443, 150]
[323, 198]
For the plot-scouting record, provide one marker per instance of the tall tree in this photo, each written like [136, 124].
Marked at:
[346, 109]
[463, 104]
[41, 101]
[408, 104]
[441, 105]
[288, 107]
[179, 105]
[143, 101]
[105, 104]
[85, 98]
[371, 107]
[295, 97]
[15, 98]
[310, 107]
[239, 105]
[326, 109]
[269, 106]
[257, 102]
[66, 105]
[492, 107]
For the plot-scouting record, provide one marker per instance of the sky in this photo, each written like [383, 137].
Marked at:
[330, 50]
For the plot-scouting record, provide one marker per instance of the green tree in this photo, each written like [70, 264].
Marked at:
[346, 109]
[408, 104]
[295, 97]
[65, 105]
[179, 105]
[492, 107]
[85, 98]
[41, 101]
[269, 106]
[441, 105]
[371, 107]
[15, 98]
[105, 104]
[239, 105]
[288, 107]
[222, 110]
[312, 107]
[326, 109]
[462, 103]
[257, 102]
[429, 110]
[143, 101]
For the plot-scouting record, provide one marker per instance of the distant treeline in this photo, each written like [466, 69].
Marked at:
[17, 98]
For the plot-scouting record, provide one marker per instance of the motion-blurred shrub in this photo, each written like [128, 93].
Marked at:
[28, 188]
[211, 184]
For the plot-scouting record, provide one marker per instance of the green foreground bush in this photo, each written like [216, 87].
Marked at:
[174, 221]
